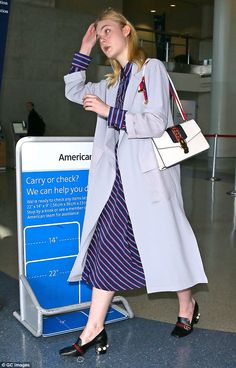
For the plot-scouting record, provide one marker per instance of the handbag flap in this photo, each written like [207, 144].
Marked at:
[190, 128]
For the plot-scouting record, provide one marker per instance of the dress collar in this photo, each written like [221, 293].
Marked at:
[125, 72]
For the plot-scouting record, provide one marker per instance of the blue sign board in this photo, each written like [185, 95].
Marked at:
[4, 14]
[52, 184]
[53, 205]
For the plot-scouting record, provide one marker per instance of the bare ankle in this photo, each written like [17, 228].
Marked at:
[90, 332]
[186, 311]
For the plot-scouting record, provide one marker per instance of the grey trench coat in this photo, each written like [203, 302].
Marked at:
[165, 240]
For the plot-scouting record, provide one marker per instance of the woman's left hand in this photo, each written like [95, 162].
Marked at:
[95, 104]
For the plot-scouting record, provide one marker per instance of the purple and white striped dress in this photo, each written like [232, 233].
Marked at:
[113, 261]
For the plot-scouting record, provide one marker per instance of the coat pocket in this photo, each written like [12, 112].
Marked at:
[147, 157]
[159, 184]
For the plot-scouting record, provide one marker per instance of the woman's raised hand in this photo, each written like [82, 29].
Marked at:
[89, 40]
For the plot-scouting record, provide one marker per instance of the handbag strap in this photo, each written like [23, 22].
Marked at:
[176, 99]
[173, 93]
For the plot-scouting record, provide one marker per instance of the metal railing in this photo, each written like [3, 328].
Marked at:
[188, 43]
[213, 177]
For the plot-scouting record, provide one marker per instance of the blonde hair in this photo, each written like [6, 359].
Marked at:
[135, 53]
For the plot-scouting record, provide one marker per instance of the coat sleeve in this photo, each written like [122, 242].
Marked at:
[76, 88]
[155, 115]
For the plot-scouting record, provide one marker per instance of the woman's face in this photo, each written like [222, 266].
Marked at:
[113, 40]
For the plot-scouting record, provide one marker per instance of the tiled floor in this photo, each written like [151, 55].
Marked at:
[135, 343]
[212, 214]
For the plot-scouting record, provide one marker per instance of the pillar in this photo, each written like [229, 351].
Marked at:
[223, 103]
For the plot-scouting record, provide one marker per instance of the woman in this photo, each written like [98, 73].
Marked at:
[135, 230]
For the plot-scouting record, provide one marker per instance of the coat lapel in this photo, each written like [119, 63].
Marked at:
[111, 134]
[132, 89]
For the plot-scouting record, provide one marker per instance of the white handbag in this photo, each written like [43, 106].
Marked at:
[178, 142]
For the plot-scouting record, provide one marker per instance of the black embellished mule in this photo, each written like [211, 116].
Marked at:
[184, 326]
[77, 349]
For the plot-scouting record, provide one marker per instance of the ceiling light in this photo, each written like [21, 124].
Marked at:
[153, 11]
[172, 5]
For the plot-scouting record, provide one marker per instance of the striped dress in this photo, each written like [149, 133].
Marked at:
[113, 261]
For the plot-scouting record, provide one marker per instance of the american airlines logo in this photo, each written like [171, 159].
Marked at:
[78, 157]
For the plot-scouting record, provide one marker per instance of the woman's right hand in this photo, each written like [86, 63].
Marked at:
[89, 40]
